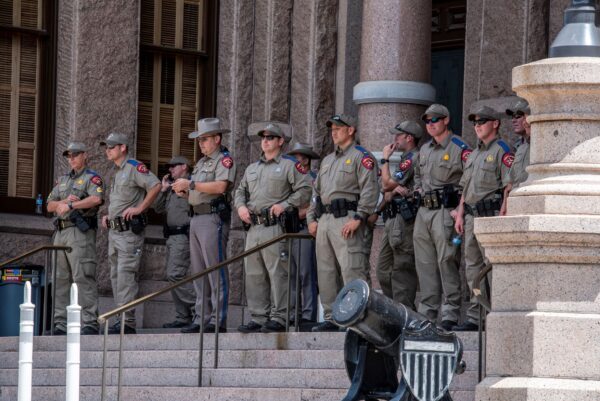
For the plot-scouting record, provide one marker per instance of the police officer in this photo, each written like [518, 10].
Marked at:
[517, 174]
[133, 189]
[176, 231]
[483, 185]
[437, 177]
[345, 193]
[208, 193]
[396, 265]
[304, 250]
[74, 201]
[268, 188]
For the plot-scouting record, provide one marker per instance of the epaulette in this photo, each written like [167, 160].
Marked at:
[504, 146]
[409, 155]
[90, 171]
[133, 162]
[362, 150]
[460, 143]
[289, 157]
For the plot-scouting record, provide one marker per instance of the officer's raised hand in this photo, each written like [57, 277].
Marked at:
[244, 214]
[165, 183]
[351, 226]
[388, 150]
[131, 212]
[312, 228]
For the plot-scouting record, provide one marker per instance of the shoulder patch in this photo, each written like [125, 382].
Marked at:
[405, 165]
[367, 162]
[301, 168]
[465, 154]
[96, 180]
[227, 161]
[508, 158]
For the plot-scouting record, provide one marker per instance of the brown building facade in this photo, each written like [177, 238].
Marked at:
[79, 69]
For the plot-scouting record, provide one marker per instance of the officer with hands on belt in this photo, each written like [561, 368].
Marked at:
[437, 177]
[176, 231]
[133, 189]
[518, 173]
[483, 184]
[269, 186]
[74, 201]
[208, 193]
[304, 249]
[345, 194]
[396, 265]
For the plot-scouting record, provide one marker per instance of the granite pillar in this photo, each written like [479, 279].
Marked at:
[97, 81]
[313, 71]
[500, 35]
[395, 67]
[235, 104]
[272, 44]
[347, 75]
[545, 321]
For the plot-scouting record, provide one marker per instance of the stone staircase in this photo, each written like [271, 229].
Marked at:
[294, 367]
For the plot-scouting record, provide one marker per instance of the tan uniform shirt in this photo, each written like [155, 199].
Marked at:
[129, 185]
[405, 173]
[441, 164]
[349, 174]
[517, 173]
[217, 166]
[81, 184]
[277, 181]
[484, 170]
[176, 207]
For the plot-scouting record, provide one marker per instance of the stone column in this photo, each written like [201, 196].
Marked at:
[544, 328]
[313, 71]
[395, 67]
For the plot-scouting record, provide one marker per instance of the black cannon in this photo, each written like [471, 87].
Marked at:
[384, 336]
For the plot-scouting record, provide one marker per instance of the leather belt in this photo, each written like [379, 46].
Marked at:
[118, 224]
[204, 208]
[62, 224]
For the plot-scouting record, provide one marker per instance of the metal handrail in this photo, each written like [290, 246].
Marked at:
[34, 251]
[53, 249]
[103, 319]
[484, 303]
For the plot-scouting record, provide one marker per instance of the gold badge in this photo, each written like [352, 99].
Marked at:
[80, 181]
[446, 156]
[490, 159]
[99, 189]
[348, 161]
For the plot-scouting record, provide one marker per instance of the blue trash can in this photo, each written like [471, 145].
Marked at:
[12, 285]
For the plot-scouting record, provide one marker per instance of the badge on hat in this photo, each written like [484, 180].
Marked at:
[465, 154]
[96, 180]
[227, 162]
[368, 163]
[508, 159]
[142, 168]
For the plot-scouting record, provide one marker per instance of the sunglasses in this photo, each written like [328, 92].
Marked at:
[516, 116]
[481, 121]
[74, 155]
[269, 137]
[111, 147]
[433, 120]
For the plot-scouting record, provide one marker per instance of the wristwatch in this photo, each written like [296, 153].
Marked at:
[70, 204]
[383, 161]
[192, 185]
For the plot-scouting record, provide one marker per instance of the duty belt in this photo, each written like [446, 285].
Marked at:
[119, 224]
[204, 208]
[447, 197]
[258, 220]
[176, 230]
[339, 207]
[62, 224]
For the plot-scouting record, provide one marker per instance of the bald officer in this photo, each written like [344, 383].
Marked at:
[345, 193]
[518, 173]
[209, 194]
[176, 231]
[133, 189]
[268, 187]
[74, 201]
[396, 265]
[437, 177]
[483, 183]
